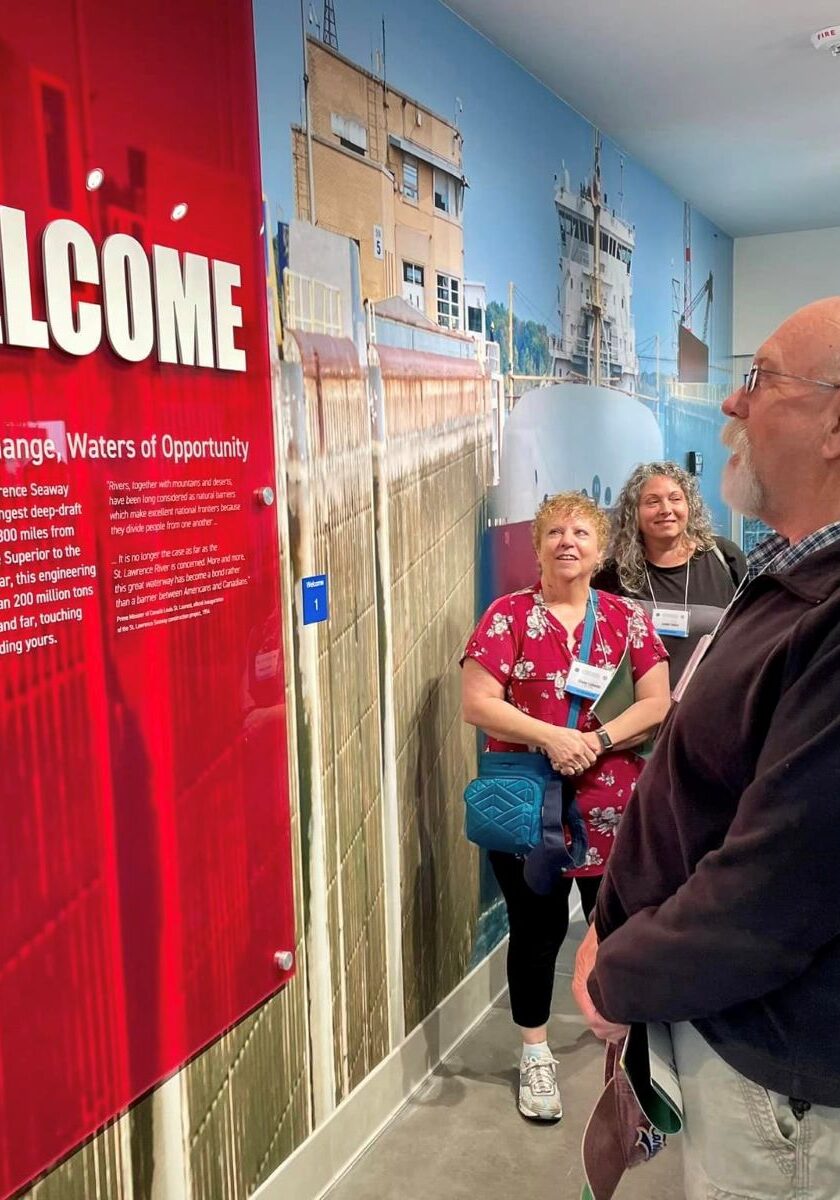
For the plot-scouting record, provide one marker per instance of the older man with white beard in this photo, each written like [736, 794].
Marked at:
[720, 909]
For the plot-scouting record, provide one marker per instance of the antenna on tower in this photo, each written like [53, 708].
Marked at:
[687, 295]
[595, 308]
[330, 35]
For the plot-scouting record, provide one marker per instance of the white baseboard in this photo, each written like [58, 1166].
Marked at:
[336, 1144]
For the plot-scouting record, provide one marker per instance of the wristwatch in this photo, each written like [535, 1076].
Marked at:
[604, 738]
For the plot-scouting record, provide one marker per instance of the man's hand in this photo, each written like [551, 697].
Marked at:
[584, 965]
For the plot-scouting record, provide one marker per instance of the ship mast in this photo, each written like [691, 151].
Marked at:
[595, 197]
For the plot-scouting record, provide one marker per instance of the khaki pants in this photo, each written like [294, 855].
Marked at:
[742, 1142]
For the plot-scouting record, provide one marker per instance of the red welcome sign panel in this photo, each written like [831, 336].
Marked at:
[145, 879]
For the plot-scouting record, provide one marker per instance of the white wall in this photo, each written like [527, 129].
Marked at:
[776, 274]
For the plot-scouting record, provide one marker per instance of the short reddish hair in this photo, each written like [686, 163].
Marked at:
[570, 504]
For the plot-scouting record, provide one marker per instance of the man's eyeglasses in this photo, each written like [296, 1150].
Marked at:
[751, 378]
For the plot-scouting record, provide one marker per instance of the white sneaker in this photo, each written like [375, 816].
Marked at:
[539, 1096]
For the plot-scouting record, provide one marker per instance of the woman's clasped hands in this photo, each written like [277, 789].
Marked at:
[569, 750]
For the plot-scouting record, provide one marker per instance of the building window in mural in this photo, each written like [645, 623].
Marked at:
[413, 284]
[411, 188]
[449, 305]
[352, 135]
[448, 194]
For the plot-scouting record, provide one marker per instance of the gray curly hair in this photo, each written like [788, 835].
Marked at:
[626, 545]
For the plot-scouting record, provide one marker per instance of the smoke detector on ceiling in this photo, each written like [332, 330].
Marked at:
[827, 38]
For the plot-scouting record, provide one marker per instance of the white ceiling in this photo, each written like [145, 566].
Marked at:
[726, 100]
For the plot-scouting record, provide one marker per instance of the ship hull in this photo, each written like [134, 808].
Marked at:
[564, 437]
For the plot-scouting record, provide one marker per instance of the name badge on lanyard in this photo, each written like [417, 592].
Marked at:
[587, 681]
[671, 622]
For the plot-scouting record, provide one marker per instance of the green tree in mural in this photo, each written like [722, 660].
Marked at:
[530, 341]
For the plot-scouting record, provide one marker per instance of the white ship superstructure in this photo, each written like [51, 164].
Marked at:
[595, 282]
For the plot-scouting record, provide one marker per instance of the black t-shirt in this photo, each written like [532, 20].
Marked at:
[711, 585]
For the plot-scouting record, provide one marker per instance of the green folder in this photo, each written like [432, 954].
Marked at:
[648, 1062]
[617, 697]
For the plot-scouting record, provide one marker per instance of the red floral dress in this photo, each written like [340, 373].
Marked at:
[524, 647]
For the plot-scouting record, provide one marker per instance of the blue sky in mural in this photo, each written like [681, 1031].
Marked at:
[517, 136]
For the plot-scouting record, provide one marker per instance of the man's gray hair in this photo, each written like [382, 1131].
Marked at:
[626, 545]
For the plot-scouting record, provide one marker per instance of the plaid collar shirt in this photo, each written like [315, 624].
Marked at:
[777, 553]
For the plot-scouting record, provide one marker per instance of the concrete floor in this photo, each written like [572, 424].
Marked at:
[462, 1138]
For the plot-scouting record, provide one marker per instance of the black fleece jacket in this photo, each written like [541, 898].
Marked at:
[721, 900]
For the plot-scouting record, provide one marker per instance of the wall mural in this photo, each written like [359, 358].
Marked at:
[474, 196]
[429, 196]
[541, 313]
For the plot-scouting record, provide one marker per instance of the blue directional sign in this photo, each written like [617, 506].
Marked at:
[316, 599]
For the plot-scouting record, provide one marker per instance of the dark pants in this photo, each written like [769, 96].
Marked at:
[538, 925]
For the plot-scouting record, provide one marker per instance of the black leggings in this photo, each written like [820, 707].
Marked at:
[538, 925]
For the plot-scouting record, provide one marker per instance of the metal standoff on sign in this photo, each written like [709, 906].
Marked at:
[285, 959]
[265, 495]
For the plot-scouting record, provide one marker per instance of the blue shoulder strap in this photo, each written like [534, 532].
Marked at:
[585, 650]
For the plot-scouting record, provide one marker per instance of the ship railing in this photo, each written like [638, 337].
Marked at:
[700, 393]
[613, 350]
[311, 306]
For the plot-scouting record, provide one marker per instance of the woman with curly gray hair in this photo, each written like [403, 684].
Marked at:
[663, 553]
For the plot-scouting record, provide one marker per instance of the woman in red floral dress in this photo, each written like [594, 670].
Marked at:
[515, 688]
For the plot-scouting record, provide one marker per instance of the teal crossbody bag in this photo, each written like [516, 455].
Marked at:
[504, 804]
